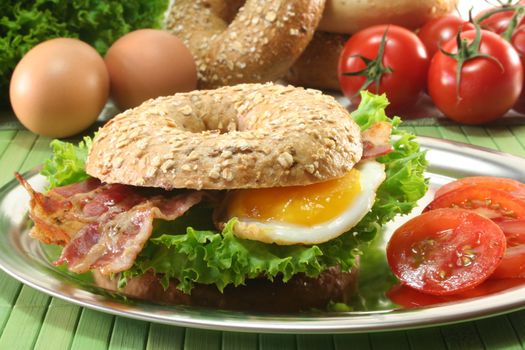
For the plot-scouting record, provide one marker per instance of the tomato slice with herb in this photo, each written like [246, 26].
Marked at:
[446, 251]
[492, 203]
[509, 185]
[513, 263]
[410, 298]
[502, 200]
[407, 297]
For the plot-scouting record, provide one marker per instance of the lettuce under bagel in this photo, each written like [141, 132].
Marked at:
[197, 257]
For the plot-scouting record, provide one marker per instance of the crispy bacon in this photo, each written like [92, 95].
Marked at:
[112, 244]
[102, 226]
[376, 140]
[80, 187]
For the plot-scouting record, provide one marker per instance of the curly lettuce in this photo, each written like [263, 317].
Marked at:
[23, 24]
[67, 165]
[405, 183]
[191, 250]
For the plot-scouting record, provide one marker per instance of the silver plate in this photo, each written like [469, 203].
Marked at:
[25, 260]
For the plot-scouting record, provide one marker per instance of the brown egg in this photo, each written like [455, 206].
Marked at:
[149, 63]
[59, 87]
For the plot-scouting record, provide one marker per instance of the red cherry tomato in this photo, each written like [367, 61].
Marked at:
[445, 251]
[487, 89]
[492, 203]
[439, 30]
[518, 41]
[512, 186]
[404, 56]
[410, 298]
[513, 263]
[498, 22]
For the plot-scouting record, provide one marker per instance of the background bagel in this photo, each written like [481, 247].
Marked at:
[317, 66]
[350, 16]
[244, 136]
[257, 44]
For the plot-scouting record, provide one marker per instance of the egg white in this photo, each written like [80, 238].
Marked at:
[372, 175]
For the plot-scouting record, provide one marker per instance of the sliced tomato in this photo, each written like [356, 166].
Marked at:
[514, 230]
[502, 200]
[445, 251]
[488, 287]
[513, 263]
[492, 203]
[509, 185]
[405, 296]
[410, 298]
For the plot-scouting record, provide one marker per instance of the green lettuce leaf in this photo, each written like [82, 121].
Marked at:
[405, 182]
[23, 24]
[209, 257]
[67, 164]
[371, 110]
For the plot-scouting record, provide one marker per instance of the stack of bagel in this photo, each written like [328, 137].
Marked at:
[249, 41]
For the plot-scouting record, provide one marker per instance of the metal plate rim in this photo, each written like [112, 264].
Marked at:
[506, 301]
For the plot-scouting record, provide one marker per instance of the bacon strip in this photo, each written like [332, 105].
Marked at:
[102, 226]
[112, 244]
[376, 140]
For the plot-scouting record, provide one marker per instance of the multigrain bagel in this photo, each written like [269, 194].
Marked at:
[260, 43]
[350, 16]
[317, 66]
[244, 136]
[260, 294]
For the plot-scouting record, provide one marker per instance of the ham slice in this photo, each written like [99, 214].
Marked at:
[376, 140]
[101, 226]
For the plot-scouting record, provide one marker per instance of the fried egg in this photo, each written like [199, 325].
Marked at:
[309, 214]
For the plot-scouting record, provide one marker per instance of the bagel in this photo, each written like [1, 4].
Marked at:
[245, 136]
[317, 66]
[260, 43]
[299, 293]
[350, 16]
[277, 248]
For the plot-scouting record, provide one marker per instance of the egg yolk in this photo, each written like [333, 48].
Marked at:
[302, 205]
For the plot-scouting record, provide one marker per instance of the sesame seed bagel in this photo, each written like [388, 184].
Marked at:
[257, 42]
[317, 66]
[244, 136]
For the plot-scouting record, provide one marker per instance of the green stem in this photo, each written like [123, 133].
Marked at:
[513, 24]
[467, 52]
[504, 8]
[374, 70]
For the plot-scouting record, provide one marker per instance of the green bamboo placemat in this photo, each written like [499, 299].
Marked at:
[30, 319]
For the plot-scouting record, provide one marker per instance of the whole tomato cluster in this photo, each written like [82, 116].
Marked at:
[472, 70]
